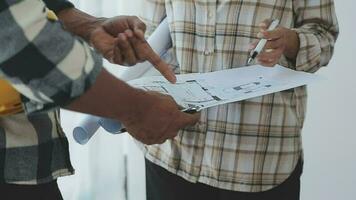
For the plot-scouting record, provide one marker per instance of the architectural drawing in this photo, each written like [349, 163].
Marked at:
[201, 91]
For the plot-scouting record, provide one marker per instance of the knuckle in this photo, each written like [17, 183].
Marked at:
[118, 61]
[132, 62]
[149, 142]
[136, 18]
[161, 141]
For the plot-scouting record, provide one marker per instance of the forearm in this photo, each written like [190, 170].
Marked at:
[108, 97]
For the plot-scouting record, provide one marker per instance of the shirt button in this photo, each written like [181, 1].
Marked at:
[207, 53]
[210, 14]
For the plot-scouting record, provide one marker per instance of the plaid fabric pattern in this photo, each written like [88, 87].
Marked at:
[48, 65]
[252, 145]
[33, 149]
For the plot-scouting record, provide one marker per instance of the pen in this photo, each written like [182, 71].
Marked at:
[261, 44]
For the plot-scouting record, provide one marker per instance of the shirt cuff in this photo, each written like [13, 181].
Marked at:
[309, 55]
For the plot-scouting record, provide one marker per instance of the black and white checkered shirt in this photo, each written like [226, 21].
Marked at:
[49, 67]
[45, 63]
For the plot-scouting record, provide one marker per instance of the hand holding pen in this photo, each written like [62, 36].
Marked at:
[275, 41]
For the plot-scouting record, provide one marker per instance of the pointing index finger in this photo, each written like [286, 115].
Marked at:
[156, 61]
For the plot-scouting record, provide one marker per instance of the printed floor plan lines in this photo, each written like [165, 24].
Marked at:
[203, 90]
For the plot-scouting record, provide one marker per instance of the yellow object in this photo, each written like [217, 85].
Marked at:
[10, 99]
[51, 15]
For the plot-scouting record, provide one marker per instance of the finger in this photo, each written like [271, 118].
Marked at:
[169, 135]
[273, 35]
[136, 43]
[136, 24]
[253, 45]
[140, 35]
[126, 49]
[265, 24]
[109, 55]
[164, 135]
[148, 142]
[270, 55]
[268, 64]
[117, 58]
[145, 50]
[161, 141]
[185, 120]
[268, 61]
[160, 65]
[275, 44]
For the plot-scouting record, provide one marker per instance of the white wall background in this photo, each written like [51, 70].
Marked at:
[329, 135]
[330, 131]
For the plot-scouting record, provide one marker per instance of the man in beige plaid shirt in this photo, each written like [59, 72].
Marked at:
[250, 149]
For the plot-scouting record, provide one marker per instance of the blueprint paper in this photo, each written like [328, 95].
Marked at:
[204, 90]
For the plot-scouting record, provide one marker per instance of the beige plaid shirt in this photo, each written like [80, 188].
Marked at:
[252, 145]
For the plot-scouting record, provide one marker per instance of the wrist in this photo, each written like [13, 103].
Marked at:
[112, 98]
[79, 23]
[131, 104]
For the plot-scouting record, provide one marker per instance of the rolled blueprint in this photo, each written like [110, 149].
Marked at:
[86, 129]
[160, 41]
[90, 124]
[110, 125]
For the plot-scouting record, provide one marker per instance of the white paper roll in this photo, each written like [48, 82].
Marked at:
[86, 129]
[110, 125]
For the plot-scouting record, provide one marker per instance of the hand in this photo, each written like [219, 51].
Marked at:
[121, 41]
[157, 118]
[149, 117]
[281, 41]
[110, 37]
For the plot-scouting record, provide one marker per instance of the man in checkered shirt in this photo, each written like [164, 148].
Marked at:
[250, 149]
[51, 64]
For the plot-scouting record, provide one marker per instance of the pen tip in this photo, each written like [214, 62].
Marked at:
[249, 61]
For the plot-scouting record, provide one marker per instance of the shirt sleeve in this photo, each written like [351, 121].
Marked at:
[317, 26]
[58, 5]
[46, 64]
[153, 12]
